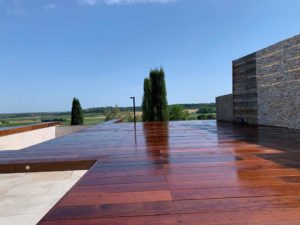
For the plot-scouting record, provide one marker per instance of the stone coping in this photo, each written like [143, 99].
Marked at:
[22, 129]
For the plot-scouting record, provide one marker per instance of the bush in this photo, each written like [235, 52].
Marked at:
[205, 109]
[5, 122]
[112, 113]
[208, 116]
[44, 120]
[201, 117]
[177, 112]
[211, 116]
[128, 117]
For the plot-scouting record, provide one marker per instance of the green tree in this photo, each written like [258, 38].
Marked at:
[76, 114]
[5, 122]
[177, 112]
[112, 113]
[147, 102]
[159, 104]
[208, 108]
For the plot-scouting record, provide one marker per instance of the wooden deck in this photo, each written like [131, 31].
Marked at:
[187, 173]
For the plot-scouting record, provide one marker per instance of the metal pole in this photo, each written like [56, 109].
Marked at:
[133, 99]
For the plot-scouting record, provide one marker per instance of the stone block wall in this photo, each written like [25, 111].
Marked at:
[278, 84]
[266, 86]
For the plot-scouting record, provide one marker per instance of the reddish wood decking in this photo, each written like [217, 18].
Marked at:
[177, 173]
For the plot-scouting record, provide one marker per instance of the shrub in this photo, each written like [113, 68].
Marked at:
[177, 112]
[201, 117]
[211, 116]
[205, 109]
[208, 116]
[5, 122]
[44, 120]
[112, 113]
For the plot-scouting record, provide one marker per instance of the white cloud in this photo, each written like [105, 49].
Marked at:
[50, 6]
[88, 2]
[16, 7]
[114, 2]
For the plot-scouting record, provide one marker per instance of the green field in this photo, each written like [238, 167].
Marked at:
[64, 119]
[97, 115]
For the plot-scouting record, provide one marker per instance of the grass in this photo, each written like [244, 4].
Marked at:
[92, 117]
[204, 116]
[89, 119]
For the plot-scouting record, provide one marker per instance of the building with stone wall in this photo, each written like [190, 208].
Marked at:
[266, 86]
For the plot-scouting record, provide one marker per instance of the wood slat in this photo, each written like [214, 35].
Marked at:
[185, 173]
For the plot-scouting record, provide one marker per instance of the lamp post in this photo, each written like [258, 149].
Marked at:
[133, 99]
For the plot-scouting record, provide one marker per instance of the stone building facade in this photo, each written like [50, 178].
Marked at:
[266, 86]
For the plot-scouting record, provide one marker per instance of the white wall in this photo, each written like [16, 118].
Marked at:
[26, 139]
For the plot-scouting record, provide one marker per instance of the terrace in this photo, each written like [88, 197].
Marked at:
[195, 172]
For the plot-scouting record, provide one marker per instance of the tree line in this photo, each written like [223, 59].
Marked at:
[154, 105]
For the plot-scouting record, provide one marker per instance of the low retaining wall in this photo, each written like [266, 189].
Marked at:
[224, 107]
[23, 137]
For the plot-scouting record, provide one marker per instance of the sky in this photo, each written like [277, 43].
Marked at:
[100, 51]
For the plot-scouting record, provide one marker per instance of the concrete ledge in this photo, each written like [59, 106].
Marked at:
[16, 130]
[23, 137]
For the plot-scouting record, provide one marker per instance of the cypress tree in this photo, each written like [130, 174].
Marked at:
[76, 114]
[146, 105]
[159, 102]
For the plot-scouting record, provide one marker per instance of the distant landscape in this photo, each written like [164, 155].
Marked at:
[97, 115]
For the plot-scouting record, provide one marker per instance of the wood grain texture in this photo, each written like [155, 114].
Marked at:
[186, 173]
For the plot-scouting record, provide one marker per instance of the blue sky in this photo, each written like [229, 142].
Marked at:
[101, 50]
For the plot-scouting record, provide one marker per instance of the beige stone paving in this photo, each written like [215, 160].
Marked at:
[26, 197]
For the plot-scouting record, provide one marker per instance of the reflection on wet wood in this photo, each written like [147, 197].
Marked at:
[195, 172]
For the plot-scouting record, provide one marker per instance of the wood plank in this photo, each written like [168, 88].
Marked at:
[192, 172]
